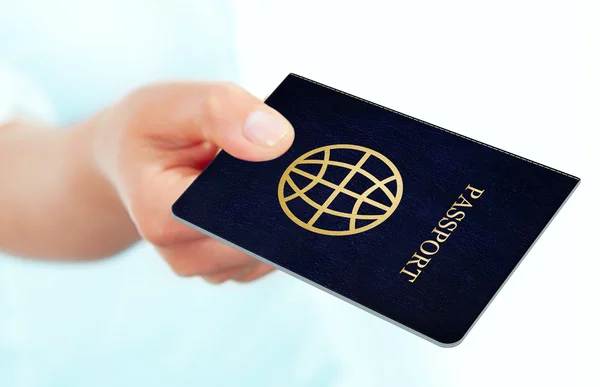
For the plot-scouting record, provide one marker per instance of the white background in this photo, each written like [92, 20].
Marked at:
[520, 75]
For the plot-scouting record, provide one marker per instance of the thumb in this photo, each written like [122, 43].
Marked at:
[221, 113]
[166, 130]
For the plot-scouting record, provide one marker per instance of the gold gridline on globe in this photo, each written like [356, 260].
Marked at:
[287, 179]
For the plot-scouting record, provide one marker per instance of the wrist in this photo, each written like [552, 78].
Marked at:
[81, 141]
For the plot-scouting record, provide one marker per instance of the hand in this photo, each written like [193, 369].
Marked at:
[152, 145]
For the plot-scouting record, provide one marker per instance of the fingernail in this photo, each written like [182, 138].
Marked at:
[265, 129]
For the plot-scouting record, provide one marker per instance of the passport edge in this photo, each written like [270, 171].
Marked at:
[516, 266]
[320, 287]
[436, 127]
[439, 343]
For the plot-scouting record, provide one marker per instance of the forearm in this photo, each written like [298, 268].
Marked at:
[54, 203]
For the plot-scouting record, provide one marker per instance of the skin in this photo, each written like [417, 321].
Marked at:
[91, 191]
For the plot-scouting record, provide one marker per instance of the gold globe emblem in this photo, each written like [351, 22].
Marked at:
[347, 220]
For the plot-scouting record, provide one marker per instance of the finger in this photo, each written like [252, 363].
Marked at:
[226, 275]
[257, 272]
[205, 256]
[150, 209]
[186, 113]
[148, 192]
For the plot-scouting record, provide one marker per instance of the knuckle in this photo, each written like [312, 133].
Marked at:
[154, 232]
[143, 107]
[224, 89]
[181, 268]
[186, 268]
[190, 266]
[216, 101]
[215, 280]
[145, 91]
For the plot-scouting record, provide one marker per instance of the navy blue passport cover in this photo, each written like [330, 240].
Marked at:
[487, 205]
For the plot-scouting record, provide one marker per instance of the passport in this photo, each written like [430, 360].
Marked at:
[414, 223]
